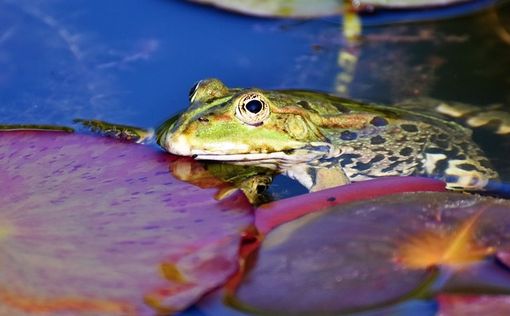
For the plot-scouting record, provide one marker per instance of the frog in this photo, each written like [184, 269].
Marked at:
[322, 140]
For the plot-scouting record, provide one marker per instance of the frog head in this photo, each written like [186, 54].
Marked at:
[243, 125]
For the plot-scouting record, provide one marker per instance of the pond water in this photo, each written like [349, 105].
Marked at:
[134, 62]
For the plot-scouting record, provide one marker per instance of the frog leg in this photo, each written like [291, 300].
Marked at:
[35, 127]
[118, 131]
[502, 119]
[316, 178]
[467, 114]
[475, 116]
[253, 188]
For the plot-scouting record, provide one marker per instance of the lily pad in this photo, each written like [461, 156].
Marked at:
[279, 8]
[406, 4]
[317, 8]
[349, 258]
[94, 226]
[270, 215]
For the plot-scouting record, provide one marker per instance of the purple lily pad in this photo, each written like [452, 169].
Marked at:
[347, 257]
[96, 226]
[270, 215]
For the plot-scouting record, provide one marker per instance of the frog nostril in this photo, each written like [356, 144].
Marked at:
[203, 119]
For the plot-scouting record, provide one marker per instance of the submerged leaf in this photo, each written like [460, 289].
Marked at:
[94, 226]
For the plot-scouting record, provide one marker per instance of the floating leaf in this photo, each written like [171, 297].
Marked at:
[343, 259]
[316, 8]
[94, 226]
[279, 8]
[406, 4]
[270, 215]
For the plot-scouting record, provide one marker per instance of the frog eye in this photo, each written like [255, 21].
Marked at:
[252, 109]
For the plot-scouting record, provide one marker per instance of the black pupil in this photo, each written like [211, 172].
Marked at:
[192, 90]
[254, 106]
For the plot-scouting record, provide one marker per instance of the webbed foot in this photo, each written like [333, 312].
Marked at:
[316, 178]
[501, 118]
[118, 131]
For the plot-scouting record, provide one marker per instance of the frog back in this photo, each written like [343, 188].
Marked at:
[377, 140]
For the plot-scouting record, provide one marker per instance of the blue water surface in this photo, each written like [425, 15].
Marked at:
[134, 61]
[131, 61]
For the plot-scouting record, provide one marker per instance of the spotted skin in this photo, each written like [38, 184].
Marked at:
[322, 140]
[355, 140]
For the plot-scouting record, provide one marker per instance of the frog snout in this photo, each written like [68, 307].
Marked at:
[177, 145]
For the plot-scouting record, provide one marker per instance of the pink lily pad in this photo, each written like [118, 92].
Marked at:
[346, 258]
[94, 226]
[270, 215]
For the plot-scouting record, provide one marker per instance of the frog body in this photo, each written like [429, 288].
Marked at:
[318, 139]
[322, 140]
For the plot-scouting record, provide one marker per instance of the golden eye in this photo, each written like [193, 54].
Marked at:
[252, 109]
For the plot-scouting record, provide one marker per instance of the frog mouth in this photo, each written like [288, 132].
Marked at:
[304, 154]
[278, 156]
[275, 160]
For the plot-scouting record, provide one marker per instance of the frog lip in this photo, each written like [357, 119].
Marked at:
[180, 146]
[279, 155]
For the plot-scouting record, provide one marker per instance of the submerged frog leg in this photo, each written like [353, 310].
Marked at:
[316, 178]
[466, 114]
[501, 118]
[475, 116]
[35, 127]
[253, 188]
[118, 131]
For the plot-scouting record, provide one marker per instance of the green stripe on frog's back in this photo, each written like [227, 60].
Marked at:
[329, 105]
[396, 141]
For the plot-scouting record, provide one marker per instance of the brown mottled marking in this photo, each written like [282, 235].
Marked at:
[306, 105]
[352, 121]
[222, 117]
